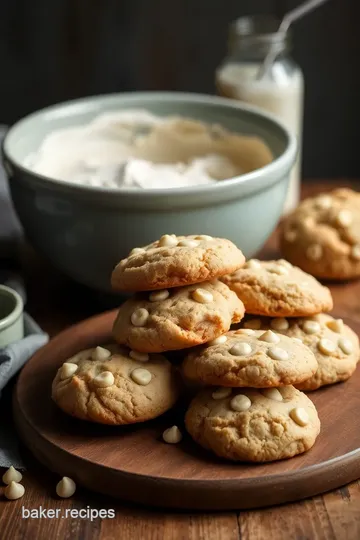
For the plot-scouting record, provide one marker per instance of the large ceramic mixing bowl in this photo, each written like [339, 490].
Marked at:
[86, 230]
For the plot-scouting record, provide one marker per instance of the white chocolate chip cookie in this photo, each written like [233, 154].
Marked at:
[322, 235]
[334, 345]
[117, 390]
[188, 316]
[254, 425]
[174, 261]
[278, 289]
[259, 360]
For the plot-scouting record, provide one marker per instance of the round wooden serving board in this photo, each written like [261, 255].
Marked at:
[133, 463]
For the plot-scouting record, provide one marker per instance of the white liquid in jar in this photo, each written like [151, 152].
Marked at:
[280, 93]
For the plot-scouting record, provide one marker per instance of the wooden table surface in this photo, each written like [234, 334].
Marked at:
[57, 303]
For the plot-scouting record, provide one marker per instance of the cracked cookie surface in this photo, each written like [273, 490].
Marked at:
[108, 386]
[177, 318]
[174, 261]
[322, 236]
[253, 425]
[251, 358]
[334, 345]
[278, 289]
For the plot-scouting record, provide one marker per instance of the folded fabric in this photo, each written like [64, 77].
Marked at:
[12, 359]
[14, 356]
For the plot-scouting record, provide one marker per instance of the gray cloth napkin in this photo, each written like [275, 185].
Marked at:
[14, 356]
[12, 359]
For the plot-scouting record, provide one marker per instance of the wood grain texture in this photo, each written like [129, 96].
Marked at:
[333, 516]
[133, 463]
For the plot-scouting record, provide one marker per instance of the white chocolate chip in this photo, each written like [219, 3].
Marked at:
[308, 222]
[279, 324]
[326, 346]
[269, 337]
[168, 240]
[104, 379]
[159, 296]
[355, 252]
[247, 331]
[300, 416]
[66, 488]
[240, 403]
[254, 264]
[68, 369]
[139, 317]
[139, 356]
[11, 475]
[344, 218]
[141, 376]
[137, 251]
[311, 327]
[202, 296]
[345, 345]
[290, 235]
[217, 341]
[324, 202]
[188, 242]
[336, 325]
[314, 252]
[298, 340]
[285, 263]
[240, 349]
[253, 324]
[172, 435]
[276, 353]
[221, 393]
[278, 269]
[272, 393]
[100, 354]
[14, 491]
[204, 237]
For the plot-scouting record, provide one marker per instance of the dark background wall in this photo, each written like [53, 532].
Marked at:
[61, 49]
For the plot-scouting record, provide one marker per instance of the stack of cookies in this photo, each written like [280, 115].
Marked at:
[294, 304]
[182, 304]
[284, 345]
[191, 294]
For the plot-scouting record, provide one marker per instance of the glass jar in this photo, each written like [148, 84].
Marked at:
[280, 91]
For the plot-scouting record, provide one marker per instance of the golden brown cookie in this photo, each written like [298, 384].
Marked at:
[177, 318]
[322, 236]
[112, 385]
[334, 344]
[253, 425]
[278, 289]
[174, 261]
[250, 358]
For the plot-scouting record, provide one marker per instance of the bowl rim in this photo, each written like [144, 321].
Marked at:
[259, 177]
[17, 310]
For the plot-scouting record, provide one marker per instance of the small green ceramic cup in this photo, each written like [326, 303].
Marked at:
[11, 316]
